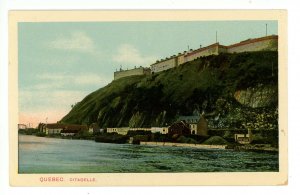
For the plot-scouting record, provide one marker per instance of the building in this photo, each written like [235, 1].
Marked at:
[244, 138]
[94, 128]
[179, 128]
[52, 128]
[118, 130]
[202, 126]
[191, 121]
[135, 71]
[197, 124]
[267, 43]
[22, 126]
[213, 49]
[66, 133]
[124, 130]
[164, 64]
[161, 130]
[73, 129]
[56, 128]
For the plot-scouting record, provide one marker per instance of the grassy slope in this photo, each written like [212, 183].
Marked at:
[156, 100]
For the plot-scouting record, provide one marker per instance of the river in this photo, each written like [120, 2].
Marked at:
[52, 155]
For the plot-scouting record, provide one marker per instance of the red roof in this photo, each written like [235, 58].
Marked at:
[203, 49]
[253, 41]
[66, 126]
[69, 131]
[245, 42]
[55, 126]
[76, 127]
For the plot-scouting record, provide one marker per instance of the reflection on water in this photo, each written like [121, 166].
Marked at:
[50, 155]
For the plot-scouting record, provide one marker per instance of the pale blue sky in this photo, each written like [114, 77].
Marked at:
[60, 63]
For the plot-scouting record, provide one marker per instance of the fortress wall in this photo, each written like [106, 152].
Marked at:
[209, 50]
[222, 49]
[164, 65]
[125, 73]
[119, 130]
[269, 43]
[180, 59]
[146, 71]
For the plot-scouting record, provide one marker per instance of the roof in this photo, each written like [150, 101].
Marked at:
[245, 42]
[202, 49]
[141, 67]
[66, 126]
[170, 58]
[94, 125]
[179, 128]
[76, 127]
[189, 119]
[54, 126]
[69, 131]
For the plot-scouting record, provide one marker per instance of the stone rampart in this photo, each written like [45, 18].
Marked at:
[269, 43]
[136, 71]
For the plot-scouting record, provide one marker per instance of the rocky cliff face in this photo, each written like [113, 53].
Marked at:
[259, 96]
[232, 115]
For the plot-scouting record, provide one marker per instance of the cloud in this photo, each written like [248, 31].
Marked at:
[65, 61]
[47, 86]
[128, 54]
[51, 76]
[53, 90]
[76, 41]
[53, 96]
[91, 79]
[43, 100]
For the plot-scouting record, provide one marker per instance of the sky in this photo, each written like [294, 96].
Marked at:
[62, 62]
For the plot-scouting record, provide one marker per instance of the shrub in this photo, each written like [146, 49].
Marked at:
[40, 134]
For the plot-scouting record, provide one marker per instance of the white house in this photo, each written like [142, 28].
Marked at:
[162, 130]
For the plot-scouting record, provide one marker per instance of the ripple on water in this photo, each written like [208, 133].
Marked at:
[48, 155]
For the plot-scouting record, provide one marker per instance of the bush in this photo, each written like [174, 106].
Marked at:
[183, 139]
[112, 138]
[215, 140]
[40, 134]
[138, 132]
[28, 131]
[143, 138]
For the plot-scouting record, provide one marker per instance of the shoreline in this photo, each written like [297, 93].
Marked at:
[256, 148]
[248, 147]
[173, 144]
[60, 137]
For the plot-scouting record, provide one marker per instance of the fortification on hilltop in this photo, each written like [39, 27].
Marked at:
[267, 43]
[135, 71]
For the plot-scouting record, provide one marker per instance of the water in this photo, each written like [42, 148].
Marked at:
[50, 155]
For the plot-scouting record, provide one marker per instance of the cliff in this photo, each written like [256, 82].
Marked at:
[233, 90]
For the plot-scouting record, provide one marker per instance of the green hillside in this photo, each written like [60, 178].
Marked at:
[232, 90]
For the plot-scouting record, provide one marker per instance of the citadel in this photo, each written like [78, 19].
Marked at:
[267, 43]
[195, 124]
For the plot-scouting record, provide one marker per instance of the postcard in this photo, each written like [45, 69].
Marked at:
[148, 98]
